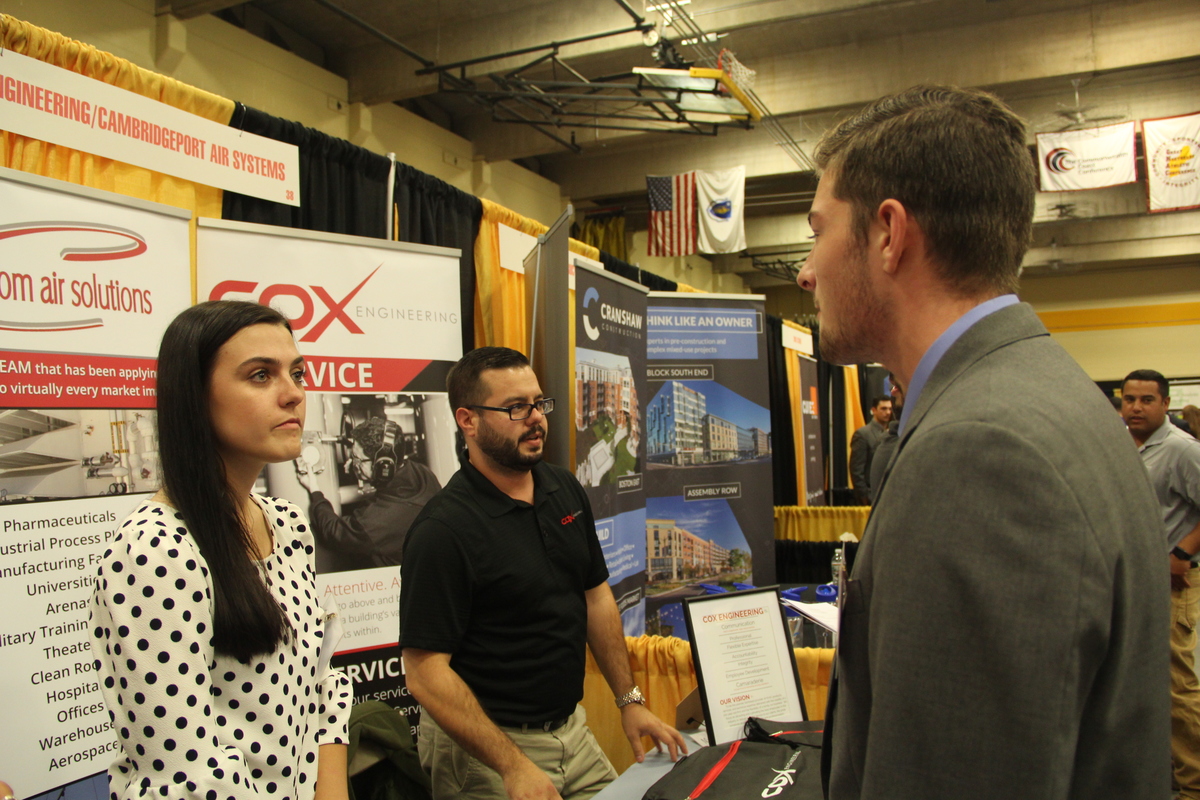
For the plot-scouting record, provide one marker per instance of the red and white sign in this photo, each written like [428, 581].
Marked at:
[1172, 162]
[799, 340]
[56, 105]
[88, 283]
[354, 303]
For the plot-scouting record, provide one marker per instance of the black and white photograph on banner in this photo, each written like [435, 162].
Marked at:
[368, 466]
[57, 453]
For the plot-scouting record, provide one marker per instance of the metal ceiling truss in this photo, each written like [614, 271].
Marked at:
[625, 102]
[784, 264]
[675, 14]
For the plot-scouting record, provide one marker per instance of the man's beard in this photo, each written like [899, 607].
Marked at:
[863, 312]
[506, 452]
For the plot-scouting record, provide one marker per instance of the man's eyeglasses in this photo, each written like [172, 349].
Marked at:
[520, 411]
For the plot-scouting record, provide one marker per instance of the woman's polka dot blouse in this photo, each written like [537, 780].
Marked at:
[194, 724]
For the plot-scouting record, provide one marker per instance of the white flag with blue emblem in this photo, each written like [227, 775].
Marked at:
[720, 207]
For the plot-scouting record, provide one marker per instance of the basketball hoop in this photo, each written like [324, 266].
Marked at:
[741, 75]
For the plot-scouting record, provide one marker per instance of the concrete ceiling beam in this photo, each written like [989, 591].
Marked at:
[189, 9]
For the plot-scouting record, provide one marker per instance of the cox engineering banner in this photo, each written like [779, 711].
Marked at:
[378, 323]
[810, 412]
[88, 282]
[709, 503]
[610, 445]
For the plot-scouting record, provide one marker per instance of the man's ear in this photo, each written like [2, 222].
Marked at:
[894, 232]
[466, 421]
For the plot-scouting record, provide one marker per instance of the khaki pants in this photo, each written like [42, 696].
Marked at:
[1185, 688]
[570, 756]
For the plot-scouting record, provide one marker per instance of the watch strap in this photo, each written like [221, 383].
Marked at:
[1181, 554]
[634, 695]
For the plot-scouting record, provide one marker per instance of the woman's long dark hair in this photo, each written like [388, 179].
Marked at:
[247, 621]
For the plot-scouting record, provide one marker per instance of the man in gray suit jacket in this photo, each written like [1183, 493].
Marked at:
[1004, 630]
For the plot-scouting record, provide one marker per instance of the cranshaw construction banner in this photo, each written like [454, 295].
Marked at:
[610, 442]
[88, 282]
[379, 333]
[709, 488]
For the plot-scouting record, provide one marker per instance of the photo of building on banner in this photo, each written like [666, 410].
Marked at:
[378, 335]
[709, 489]
[1172, 170]
[88, 283]
[610, 441]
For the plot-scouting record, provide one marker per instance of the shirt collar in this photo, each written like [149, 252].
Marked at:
[496, 502]
[943, 343]
[1159, 436]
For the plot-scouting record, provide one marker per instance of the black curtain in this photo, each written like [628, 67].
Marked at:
[343, 187]
[434, 212]
[809, 562]
[831, 384]
[655, 283]
[783, 443]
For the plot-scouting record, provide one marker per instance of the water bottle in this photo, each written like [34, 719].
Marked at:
[837, 565]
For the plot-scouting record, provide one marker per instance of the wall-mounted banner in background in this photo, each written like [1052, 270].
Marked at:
[1087, 159]
[88, 283]
[1172, 146]
[57, 105]
[378, 324]
[610, 441]
[709, 487]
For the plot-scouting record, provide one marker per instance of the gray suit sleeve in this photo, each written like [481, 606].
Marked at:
[859, 450]
[988, 606]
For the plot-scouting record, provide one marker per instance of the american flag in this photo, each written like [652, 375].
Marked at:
[672, 214]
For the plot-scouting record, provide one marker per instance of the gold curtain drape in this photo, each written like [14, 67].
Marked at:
[854, 414]
[499, 292]
[662, 667]
[819, 523]
[63, 163]
[683, 287]
[606, 232]
[796, 397]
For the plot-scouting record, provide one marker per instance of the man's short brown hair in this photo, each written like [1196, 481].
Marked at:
[463, 381]
[958, 162]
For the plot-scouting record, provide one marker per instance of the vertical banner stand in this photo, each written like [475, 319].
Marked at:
[549, 317]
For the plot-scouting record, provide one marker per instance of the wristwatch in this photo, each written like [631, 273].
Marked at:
[1181, 554]
[634, 695]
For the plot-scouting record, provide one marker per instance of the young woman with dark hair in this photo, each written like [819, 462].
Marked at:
[211, 641]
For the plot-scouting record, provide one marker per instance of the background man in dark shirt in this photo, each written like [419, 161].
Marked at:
[863, 445]
[503, 582]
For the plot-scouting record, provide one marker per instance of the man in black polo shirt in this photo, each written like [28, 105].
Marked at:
[503, 584]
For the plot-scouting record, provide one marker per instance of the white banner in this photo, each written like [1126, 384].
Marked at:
[88, 282]
[1087, 159]
[63, 107]
[1172, 172]
[354, 303]
[720, 207]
